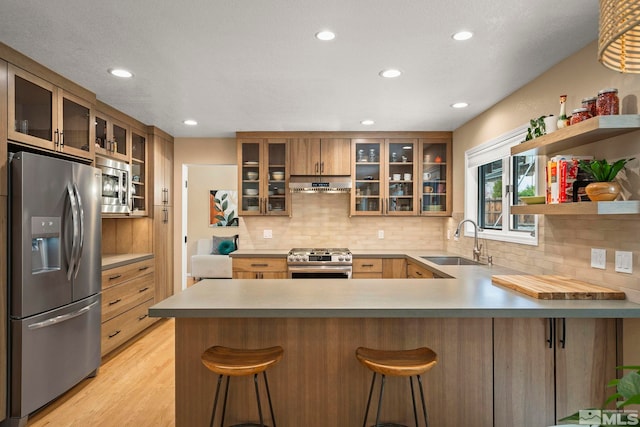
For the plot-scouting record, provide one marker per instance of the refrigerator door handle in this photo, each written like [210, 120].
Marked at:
[61, 318]
[74, 241]
[81, 230]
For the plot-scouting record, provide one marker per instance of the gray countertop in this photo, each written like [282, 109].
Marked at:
[468, 293]
[116, 260]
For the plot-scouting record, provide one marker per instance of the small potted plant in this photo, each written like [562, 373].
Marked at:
[603, 173]
[536, 129]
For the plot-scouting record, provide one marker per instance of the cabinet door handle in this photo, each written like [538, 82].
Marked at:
[61, 139]
[165, 213]
[367, 265]
[259, 265]
[563, 337]
[317, 167]
[114, 334]
[550, 338]
[143, 268]
[144, 316]
[321, 167]
[420, 208]
[143, 289]
[114, 302]
[56, 138]
[418, 273]
[117, 276]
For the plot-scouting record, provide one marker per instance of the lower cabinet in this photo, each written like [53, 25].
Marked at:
[547, 369]
[367, 268]
[394, 268]
[260, 268]
[416, 271]
[127, 294]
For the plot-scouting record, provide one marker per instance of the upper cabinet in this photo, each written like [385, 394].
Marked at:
[113, 135]
[263, 176]
[44, 115]
[162, 167]
[139, 172]
[401, 176]
[321, 156]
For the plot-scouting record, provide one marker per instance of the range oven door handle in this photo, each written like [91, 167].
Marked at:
[59, 319]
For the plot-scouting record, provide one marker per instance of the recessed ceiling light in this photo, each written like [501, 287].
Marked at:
[367, 122]
[325, 35]
[462, 35]
[190, 122]
[390, 73]
[460, 105]
[120, 72]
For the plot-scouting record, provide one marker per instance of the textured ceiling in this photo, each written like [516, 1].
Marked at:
[243, 65]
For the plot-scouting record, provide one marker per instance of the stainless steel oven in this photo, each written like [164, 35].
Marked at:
[116, 185]
[323, 263]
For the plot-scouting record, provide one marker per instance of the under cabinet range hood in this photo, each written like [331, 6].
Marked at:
[320, 184]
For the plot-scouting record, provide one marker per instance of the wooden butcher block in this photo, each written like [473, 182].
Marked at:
[555, 287]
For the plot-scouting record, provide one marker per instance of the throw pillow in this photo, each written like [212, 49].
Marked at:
[215, 248]
[226, 247]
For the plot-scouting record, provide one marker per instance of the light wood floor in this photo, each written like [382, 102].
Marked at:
[134, 387]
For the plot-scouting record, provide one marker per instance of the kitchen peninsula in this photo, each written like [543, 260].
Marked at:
[494, 358]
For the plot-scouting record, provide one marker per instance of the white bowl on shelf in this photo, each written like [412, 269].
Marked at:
[252, 176]
[277, 176]
[252, 208]
[251, 191]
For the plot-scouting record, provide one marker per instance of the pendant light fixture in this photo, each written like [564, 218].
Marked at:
[619, 38]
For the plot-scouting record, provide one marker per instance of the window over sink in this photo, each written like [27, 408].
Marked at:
[494, 181]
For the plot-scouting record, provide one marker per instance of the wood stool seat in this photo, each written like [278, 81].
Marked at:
[234, 362]
[238, 362]
[397, 363]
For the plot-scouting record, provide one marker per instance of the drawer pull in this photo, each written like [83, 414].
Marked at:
[418, 273]
[117, 276]
[115, 301]
[367, 265]
[143, 289]
[114, 334]
[143, 268]
[144, 316]
[259, 265]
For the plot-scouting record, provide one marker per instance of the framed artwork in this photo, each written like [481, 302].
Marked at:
[223, 208]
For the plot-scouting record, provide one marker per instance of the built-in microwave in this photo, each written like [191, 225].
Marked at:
[116, 185]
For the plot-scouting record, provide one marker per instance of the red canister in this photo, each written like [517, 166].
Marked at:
[590, 105]
[579, 114]
[607, 103]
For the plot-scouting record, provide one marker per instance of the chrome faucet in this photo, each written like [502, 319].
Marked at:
[476, 247]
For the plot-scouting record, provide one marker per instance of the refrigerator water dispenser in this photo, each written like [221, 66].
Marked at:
[45, 244]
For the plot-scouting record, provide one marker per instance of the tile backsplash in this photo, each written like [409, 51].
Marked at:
[323, 220]
[564, 248]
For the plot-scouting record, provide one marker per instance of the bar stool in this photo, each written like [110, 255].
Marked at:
[399, 363]
[232, 362]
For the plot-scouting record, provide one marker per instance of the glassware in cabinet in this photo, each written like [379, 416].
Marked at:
[367, 192]
[435, 177]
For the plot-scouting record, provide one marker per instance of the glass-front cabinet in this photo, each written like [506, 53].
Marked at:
[263, 176]
[435, 177]
[113, 137]
[139, 169]
[384, 176]
[46, 116]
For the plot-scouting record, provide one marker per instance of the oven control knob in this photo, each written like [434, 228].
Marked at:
[341, 258]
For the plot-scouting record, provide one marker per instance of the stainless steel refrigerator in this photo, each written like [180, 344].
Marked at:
[54, 283]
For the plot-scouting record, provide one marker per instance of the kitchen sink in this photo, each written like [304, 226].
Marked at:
[450, 260]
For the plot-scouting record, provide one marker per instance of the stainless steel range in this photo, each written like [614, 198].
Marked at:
[320, 263]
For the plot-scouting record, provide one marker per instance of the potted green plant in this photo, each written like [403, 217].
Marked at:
[627, 393]
[536, 129]
[603, 173]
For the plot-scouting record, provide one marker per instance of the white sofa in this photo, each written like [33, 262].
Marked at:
[207, 266]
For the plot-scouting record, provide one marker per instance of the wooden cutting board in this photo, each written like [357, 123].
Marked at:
[555, 287]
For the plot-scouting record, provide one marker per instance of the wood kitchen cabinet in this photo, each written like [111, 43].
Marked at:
[112, 133]
[162, 190]
[394, 268]
[367, 268]
[139, 172]
[263, 178]
[127, 294]
[4, 172]
[47, 116]
[434, 176]
[260, 268]
[416, 271]
[321, 156]
[384, 176]
[547, 369]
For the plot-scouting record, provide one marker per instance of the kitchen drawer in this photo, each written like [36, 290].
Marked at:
[120, 329]
[120, 298]
[115, 276]
[367, 265]
[260, 264]
[414, 271]
[366, 275]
